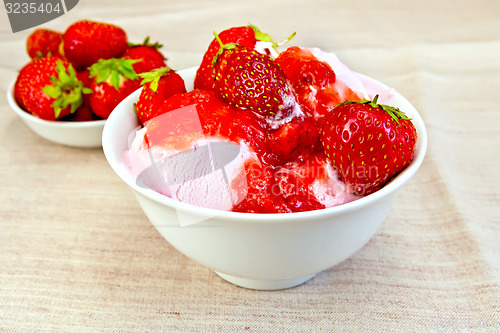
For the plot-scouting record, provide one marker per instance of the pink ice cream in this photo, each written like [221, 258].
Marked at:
[197, 171]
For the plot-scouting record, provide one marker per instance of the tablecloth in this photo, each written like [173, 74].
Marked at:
[77, 254]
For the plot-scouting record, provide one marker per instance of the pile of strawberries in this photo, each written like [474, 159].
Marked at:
[83, 73]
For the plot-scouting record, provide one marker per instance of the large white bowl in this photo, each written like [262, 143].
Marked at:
[84, 134]
[261, 251]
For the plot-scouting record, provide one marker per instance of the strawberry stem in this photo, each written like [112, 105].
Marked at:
[218, 39]
[146, 42]
[154, 76]
[66, 89]
[111, 70]
[223, 47]
[262, 36]
[394, 112]
[286, 40]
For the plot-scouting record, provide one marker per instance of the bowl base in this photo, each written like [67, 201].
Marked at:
[264, 284]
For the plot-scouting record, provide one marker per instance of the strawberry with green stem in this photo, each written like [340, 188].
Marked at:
[243, 35]
[148, 55]
[112, 80]
[158, 85]
[43, 42]
[49, 88]
[252, 81]
[85, 42]
[369, 143]
[247, 36]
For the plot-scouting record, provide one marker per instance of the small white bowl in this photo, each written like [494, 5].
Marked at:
[261, 251]
[84, 134]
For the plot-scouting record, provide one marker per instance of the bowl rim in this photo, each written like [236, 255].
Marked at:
[385, 192]
[47, 123]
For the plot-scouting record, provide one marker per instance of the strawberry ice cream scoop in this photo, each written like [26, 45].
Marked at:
[172, 156]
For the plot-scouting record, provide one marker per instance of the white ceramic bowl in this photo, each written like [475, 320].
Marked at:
[261, 251]
[84, 134]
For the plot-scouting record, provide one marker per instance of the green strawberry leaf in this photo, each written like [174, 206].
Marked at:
[111, 70]
[62, 74]
[154, 77]
[262, 36]
[52, 91]
[66, 89]
[146, 42]
[228, 46]
[394, 112]
[115, 79]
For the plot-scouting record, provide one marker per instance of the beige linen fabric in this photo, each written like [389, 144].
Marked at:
[78, 255]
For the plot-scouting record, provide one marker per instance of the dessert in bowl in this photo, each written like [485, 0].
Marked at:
[260, 250]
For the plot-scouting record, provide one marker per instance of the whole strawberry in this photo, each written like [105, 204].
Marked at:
[250, 80]
[369, 143]
[148, 55]
[49, 88]
[112, 80]
[244, 35]
[86, 41]
[42, 42]
[158, 85]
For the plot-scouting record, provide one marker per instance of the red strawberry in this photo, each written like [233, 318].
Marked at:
[85, 42]
[248, 127]
[84, 76]
[314, 82]
[112, 80]
[48, 88]
[83, 113]
[245, 35]
[43, 42]
[158, 85]
[250, 80]
[303, 69]
[294, 181]
[297, 138]
[368, 143]
[262, 195]
[148, 55]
